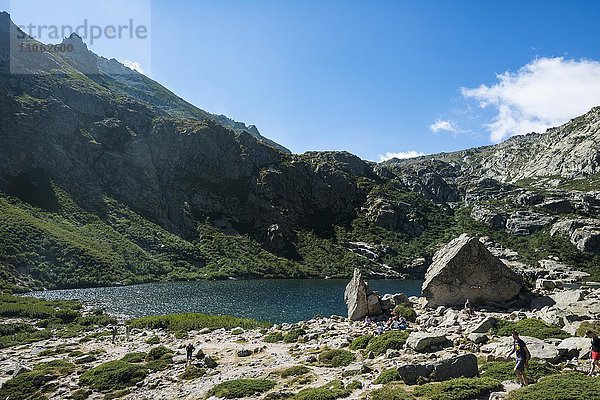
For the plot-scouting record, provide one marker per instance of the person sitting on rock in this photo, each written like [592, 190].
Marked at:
[189, 349]
[368, 320]
[380, 328]
[523, 356]
[595, 352]
[403, 324]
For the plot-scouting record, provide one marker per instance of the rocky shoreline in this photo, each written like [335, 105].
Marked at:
[442, 344]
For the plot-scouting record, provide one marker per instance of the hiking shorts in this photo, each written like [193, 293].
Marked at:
[520, 366]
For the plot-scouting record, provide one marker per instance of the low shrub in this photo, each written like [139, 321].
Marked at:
[293, 334]
[504, 370]
[238, 388]
[135, 358]
[585, 326]
[114, 375]
[388, 340]
[17, 334]
[529, 327]
[387, 376]
[153, 340]
[273, 337]
[361, 342]
[189, 322]
[27, 385]
[159, 358]
[192, 372]
[567, 386]
[458, 389]
[406, 310]
[390, 392]
[336, 358]
[330, 391]
[296, 370]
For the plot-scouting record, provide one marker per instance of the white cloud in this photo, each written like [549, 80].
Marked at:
[136, 66]
[546, 92]
[400, 154]
[443, 125]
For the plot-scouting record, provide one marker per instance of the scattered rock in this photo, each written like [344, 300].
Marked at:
[484, 326]
[421, 341]
[464, 366]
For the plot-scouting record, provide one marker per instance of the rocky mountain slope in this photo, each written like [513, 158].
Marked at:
[107, 177]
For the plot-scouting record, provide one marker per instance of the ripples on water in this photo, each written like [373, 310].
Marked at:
[285, 300]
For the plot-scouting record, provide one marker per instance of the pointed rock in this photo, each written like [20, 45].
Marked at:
[355, 297]
[465, 269]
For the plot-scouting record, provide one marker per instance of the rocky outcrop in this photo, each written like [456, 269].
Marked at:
[523, 223]
[583, 233]
[465, 269]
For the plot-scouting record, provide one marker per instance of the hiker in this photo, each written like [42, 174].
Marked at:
[468, 308]
[189, 349]
[127, 333]
[367, 320]
[523, 356]
[595, 352]
[114, 333]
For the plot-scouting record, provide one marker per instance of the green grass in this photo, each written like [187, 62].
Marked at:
[502, 371]
[361, 342]
[335, 358]
[387, 376]
[389, 340]
[529, 327]
[27, 385]
[114, 375]
[568, 386]
[458, 389]
[238, 388]
[189, 322]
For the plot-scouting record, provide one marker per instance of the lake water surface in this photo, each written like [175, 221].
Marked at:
[281, 300]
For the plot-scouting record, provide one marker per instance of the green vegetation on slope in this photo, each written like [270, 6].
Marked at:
[28, 384]
[529, 327]
[191, 321]
[238, 388]
[567, 386]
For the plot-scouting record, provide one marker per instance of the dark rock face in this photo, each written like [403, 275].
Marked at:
[465, 269]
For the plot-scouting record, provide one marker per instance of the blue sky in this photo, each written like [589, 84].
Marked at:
[375, 77]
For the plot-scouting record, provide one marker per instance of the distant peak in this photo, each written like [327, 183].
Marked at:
[75, 36]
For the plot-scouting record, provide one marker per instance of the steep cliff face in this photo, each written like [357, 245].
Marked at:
[106, 176]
